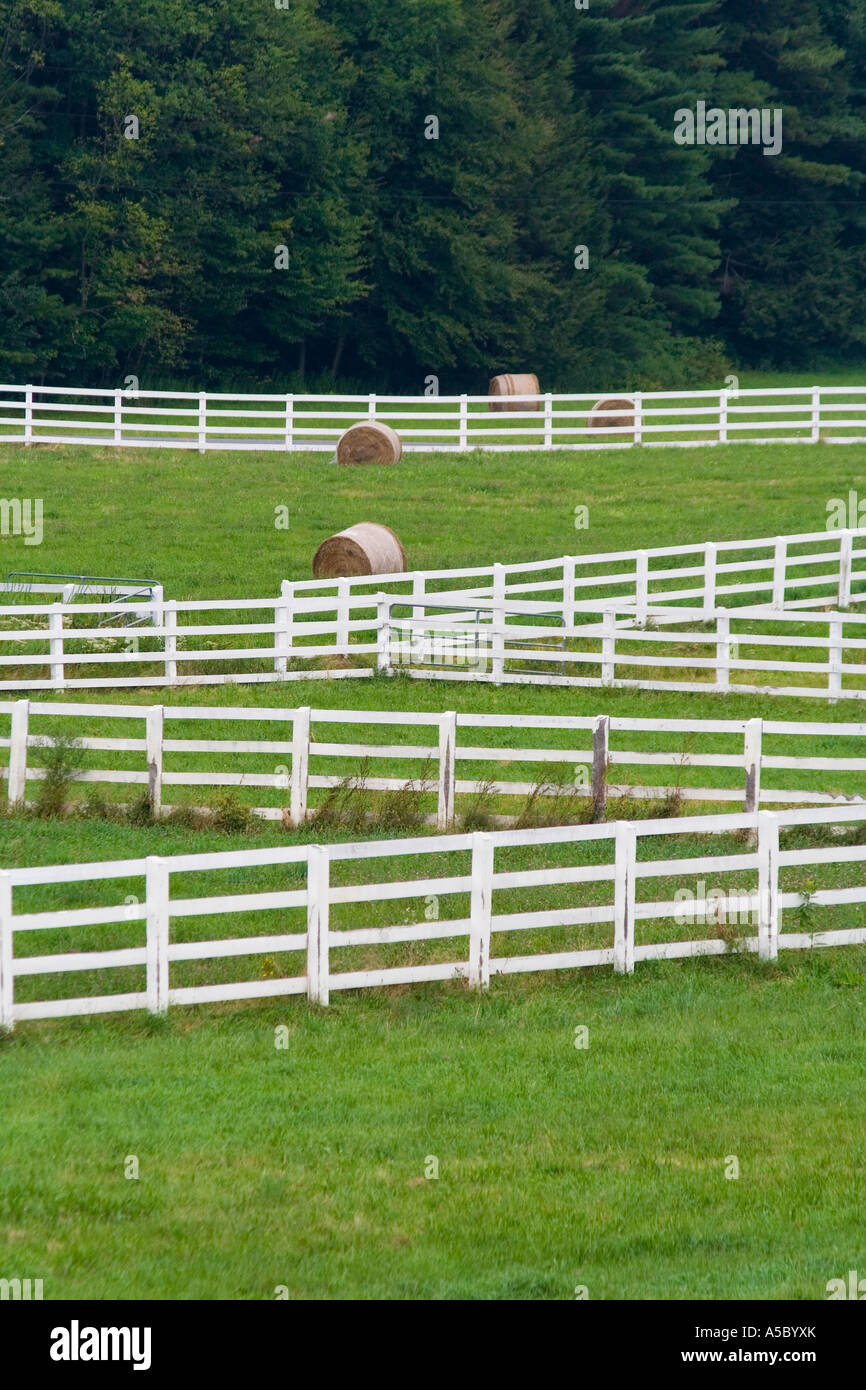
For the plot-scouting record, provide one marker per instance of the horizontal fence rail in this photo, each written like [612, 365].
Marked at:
[500, 622]
[327, 918]
[232, 421]
[439, 761]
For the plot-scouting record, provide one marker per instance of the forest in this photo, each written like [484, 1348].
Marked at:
[287, 194]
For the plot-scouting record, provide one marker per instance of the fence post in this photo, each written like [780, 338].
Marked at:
[498, 663]
[834, 660]
[154, 736]
[118, 417]
[710, 561]
[723, 651]
[816, 414]
[383, 625]
[344, 595]
[28, 416]
[16, 787]
[641, 587]
[480, 911]
[768, 885]
[158, 919]
[300, 765]
[723, 417]
[371, 405]
[846, 545]
[638, 418]
[568, 568]
[548, 421]
[608, 647]
[169, 623]
[289, 421]
[464, 423]
[623, 897]
[752, 763]
[55, 643]
[780, 566]
[447, 774]
[600, 755]
[318, 889]
[283, 627]
[7, 979]
[202, 422]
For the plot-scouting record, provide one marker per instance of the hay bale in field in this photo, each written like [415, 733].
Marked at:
[511, 384]
[367, 548]
[369, 442]
[600, 420]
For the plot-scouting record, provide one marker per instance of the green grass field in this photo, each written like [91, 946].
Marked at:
[304, 1167]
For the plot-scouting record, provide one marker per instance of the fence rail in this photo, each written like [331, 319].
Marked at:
[309, 930]
[300, 753]
[505, 617]
[233, 421]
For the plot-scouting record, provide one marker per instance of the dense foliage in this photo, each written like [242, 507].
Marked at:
[258, 192]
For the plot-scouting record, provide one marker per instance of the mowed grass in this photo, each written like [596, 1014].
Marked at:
[204, 525]
[304, 1167]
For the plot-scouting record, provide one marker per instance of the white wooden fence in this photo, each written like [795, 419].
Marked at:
[285, 761]
[76, 644]
[202, 420]
[317, 940]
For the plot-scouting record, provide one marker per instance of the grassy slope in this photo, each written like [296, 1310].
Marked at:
[302, 1167]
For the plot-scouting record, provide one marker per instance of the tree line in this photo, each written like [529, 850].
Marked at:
[312, 192]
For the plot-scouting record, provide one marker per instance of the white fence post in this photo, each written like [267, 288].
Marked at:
[623, 897]
[816, 414]
[118, 417]
[723, 651]
[202, 422]
[16, 787]
[780, 568]
[768, 885]
[169, 623]
[447, 775]
[383, 626]
[723, 417]
[371, 405]
[600, 755]
[641, 587]
[283, 627]
[834, 660]
[480, 911]
[55, 643]
[710, 562]
[846, 545]
[154, 740]
[289, 441]
[608, 647]
[300, 765]
[568, 590]
[158, 920]
[498, 663]
[318, 894]
[752, 763]
[418, 594]
[464, 423]
[638, 418]
[28, 416]
[7, 978]
[548, 421]
[344, 596]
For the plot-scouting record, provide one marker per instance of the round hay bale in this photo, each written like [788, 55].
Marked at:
[599, 420]
[513, 384]
[369, 442]
[367, 548]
